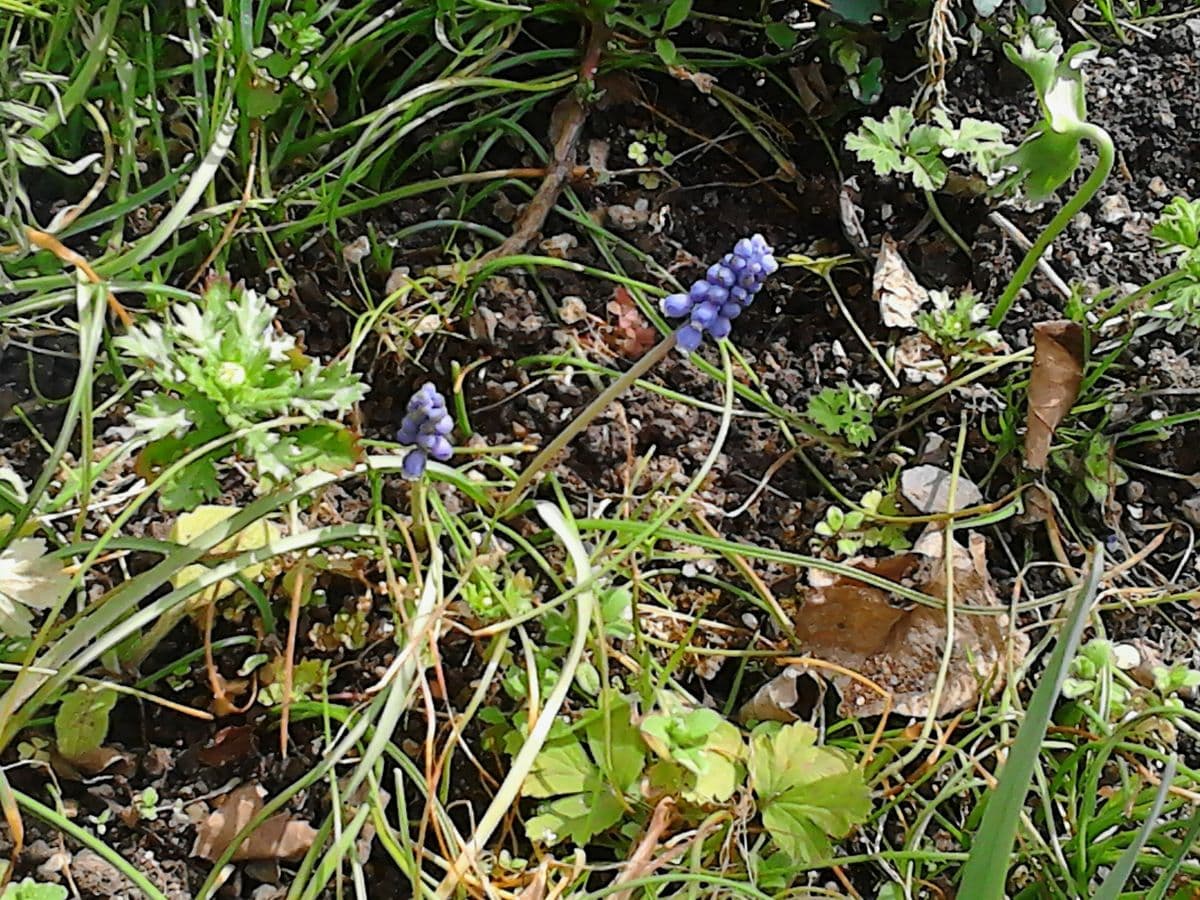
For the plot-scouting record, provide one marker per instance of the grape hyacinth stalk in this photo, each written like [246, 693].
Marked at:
[425, 426]
[715, 300]
[713, 303]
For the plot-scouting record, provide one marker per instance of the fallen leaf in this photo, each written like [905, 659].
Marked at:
[228, 745]
[101, 760]
[776, 700]
[927, 488]
[895, 288]
[702, 81]
[851, 214]
[918, 360]
[856, 625]
[1053, 385]
[279, 837]
[630, 335]
[28, 580]
[810, 86]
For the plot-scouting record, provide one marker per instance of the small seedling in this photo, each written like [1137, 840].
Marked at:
[1178, 234]
[957, 326]
[845, 412]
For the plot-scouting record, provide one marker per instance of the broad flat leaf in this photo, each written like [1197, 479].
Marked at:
[807, 794]
[858, 11]
[923, 157]
[614, 740]
[561, 768]
[986, 7]
[1057, 76]
[676, 14]
[279, 837]
[578, 817]
[881, 142]
[190, 525]
[1058, 348]
[28, 579]
[28, 889]
[979, 141]
[1044, 162]
[803, 819]
[81, 723]
[781, 35]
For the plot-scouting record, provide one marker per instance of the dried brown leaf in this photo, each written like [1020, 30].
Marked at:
[1053, 386]
[927, 488]
[895, 288]
[857, 626]
[279, 837]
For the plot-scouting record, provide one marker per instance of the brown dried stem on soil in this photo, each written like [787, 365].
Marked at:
[44, 241]
[566, 125]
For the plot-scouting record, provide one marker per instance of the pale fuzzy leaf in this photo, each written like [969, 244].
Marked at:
[149, 344]
[158, 416]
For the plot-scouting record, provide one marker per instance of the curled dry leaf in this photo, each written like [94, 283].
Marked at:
[630, 334]
[857, 626]
[895, 288]
[279, 837]
[1054, 384]
[927, 488]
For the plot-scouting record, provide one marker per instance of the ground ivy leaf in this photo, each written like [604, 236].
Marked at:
[561, 768]
[81, 723]
[807, 794]
[614, 740]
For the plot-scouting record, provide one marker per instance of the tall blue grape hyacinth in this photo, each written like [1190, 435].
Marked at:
[426, 426]
[715, 300]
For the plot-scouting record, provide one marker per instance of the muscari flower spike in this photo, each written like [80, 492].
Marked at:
[715, 300]
[425, 426]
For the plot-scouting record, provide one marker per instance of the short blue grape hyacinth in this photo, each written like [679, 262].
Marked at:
[426, 425]
[718, 298]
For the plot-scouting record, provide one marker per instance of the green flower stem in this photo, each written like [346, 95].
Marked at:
[584, 419]
[1146, 290]
[1086, 192]
[931, 202]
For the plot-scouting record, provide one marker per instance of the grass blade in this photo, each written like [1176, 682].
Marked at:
[1110, 888]
[986, 870]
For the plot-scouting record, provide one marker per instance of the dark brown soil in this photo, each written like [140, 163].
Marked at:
[794, 339]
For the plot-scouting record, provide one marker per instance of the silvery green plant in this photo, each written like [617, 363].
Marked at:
[221, 368]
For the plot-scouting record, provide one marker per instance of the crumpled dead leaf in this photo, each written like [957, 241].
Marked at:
[918, 360]
[855, 625]
[101, 760]
[279, 837]
[630, 334]
[776, 700]
[927, 488]
[895, 288]
[1053, 385]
